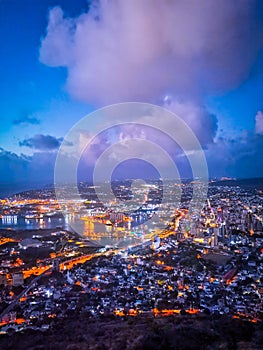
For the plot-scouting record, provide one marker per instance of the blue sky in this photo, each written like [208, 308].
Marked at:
[28, 87]
[61, 59]
[238, 106]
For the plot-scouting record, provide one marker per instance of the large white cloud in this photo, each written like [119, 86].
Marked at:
[140, 50]
[144, 50]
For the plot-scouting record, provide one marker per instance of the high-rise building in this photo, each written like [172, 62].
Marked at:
[55, 265]
[214, 239]
[17, 279]
[3, 279]
[222, 230]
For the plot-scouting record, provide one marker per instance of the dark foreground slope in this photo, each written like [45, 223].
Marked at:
[182, 333]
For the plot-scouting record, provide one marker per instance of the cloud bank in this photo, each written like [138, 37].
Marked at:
[21, 172]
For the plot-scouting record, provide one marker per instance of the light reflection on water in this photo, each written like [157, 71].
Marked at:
[22, 223]
[94, 231]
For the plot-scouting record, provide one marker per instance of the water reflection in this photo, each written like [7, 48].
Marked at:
[22, 223]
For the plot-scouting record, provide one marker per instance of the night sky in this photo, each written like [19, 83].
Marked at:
[62, 59]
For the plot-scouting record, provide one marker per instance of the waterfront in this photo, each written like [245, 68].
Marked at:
[21, 223]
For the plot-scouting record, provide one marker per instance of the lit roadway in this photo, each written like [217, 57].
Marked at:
[65, 265]
[68, 264]
[19, 296]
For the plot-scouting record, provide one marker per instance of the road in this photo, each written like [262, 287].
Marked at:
[19, 296]
[68, 264]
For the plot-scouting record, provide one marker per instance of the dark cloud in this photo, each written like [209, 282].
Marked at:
[21, 172]
[26, 120]
[247, 156]
[42, 142]
[241, 157]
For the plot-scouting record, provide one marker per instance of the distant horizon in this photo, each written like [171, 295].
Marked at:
[47, 186]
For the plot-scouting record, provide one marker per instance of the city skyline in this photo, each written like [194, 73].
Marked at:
[62, 60]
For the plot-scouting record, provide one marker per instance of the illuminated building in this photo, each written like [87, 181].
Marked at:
[116, 217]
[214, 239]
[156, 243]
